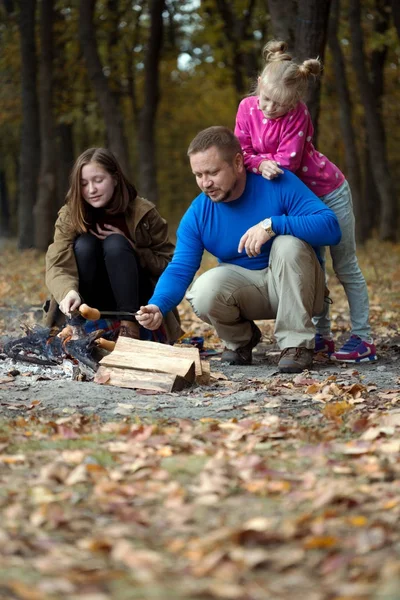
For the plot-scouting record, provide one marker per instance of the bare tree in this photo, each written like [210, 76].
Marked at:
[4, 206]
[376, 134]
[283, 18]
[353, 170]
[237, 29]
[310, 40]
[146, 139]
[30, 138]
[396, 15]
[65, 160]
[108, 104]
[45, 207]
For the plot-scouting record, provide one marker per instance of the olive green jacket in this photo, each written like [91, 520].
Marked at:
[149, 234]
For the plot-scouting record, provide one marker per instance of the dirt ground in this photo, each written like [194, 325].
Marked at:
[233, 391]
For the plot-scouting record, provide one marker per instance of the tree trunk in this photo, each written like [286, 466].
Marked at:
[108, 104]
[131, 68]
[45, 207]
[30, 139]
[396, 15]
[376, 134]
[283, 18]
[65, 160]
[348, 134]
[310, 41]
[237, 30]
[4, 206]
[9, 6]
[372, 201]
[146, 139]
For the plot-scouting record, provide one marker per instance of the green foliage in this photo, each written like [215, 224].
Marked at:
[197, 83]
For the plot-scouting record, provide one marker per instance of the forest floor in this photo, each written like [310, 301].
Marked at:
[258, 486]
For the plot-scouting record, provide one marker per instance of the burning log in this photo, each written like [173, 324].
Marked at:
[43, 346]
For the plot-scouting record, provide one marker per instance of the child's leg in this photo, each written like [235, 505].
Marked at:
[322, 322]
[345, 262]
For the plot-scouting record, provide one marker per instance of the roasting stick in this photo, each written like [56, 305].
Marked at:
[94, 314]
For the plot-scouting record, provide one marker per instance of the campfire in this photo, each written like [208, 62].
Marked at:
[135, 364]
[44, 346]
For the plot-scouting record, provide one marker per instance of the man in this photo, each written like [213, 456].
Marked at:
[262, 233]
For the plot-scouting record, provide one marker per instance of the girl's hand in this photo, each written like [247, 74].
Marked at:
[149, 316]
[270, 169]
[70, 302]
[102, 234]
[253, 240]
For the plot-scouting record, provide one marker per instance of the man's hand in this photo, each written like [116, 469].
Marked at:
[270, 169]
[253, 239]
[149, 316]
[70, 302]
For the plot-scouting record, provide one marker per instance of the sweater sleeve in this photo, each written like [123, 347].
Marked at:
[179, 274]
[305, 215]
[252, 159]
[61, 268]
[296, 129]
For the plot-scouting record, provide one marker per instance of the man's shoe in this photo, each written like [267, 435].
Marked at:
[355, 350]
[295, 360]
[326, 345]
[242, 355]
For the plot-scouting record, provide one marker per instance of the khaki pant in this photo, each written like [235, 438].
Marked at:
[290, 290]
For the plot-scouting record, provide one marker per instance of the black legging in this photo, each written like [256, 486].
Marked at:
[110, 277]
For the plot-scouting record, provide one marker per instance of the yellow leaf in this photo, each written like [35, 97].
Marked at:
[358, 521]
[320, 541]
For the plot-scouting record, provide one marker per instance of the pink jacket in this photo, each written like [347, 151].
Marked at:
[288, 141]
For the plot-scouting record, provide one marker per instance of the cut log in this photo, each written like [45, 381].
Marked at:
[151, 357]
[129, 345]
[134, 379]
[204, 378]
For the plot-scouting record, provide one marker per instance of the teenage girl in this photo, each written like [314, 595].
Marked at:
[110, 246]
[275, 131]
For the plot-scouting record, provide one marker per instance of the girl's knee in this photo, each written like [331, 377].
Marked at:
[86, 245]
[116, 243]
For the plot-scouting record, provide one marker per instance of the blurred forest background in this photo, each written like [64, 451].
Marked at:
[144, 76]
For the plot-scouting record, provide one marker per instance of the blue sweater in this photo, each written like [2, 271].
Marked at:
[217, 227]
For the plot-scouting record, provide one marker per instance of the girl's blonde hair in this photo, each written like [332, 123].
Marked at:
[124, 193]
[286, 80]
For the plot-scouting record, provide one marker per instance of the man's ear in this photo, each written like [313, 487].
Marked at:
[239, 162]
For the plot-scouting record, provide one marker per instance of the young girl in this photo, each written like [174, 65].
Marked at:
[110, 246]
[275, 132]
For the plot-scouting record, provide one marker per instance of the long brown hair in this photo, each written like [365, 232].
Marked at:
[124, 192]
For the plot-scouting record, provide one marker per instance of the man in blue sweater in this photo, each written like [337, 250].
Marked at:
[262, 233]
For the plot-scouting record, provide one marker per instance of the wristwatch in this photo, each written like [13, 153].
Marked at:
[267, 225]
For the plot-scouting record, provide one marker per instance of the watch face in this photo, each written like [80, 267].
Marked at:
[266, 223]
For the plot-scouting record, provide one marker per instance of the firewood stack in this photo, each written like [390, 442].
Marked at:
[138, 364]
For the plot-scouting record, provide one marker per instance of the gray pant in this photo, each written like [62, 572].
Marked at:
[345, 265]
[290, 290]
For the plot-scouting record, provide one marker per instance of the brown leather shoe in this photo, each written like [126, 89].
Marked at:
[242, 355]
[295, 360]
[129, 329]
